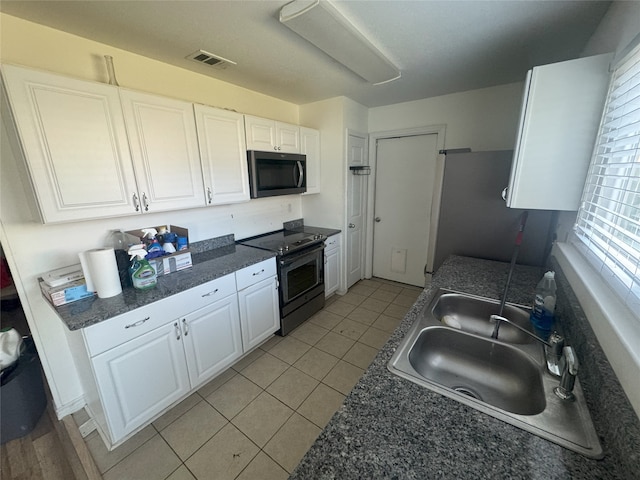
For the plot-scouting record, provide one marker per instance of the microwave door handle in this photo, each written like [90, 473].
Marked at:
[301, 178]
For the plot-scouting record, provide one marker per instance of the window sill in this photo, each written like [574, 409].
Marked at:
[613, 323]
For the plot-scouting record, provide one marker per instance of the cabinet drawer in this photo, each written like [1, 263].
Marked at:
[117, 330]
[207, 293]
[332, 243]
[255, 273]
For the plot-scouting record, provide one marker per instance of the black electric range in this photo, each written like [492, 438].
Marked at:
[300, 273]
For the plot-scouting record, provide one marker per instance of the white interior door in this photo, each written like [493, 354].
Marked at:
[405, 180]
[356, 208]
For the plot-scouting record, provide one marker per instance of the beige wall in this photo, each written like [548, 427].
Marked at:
[32, 45]
[485, 119]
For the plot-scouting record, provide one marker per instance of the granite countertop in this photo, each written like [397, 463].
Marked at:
[211, 260]
[299, 226]
[389, 427]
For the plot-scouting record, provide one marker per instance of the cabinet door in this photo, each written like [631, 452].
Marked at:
[140, 378]
[223, 152]
[212, 339]
[259, 312]
[310, 146]
[75, 144]
[332, 255]
[559, 121]
[164, 148]
[260, 133]
[287, 138]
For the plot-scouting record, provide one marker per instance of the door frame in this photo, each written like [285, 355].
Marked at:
[363, 253]
[438, 130]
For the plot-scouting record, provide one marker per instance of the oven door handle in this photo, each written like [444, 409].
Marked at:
[301, 175]
[289, 259]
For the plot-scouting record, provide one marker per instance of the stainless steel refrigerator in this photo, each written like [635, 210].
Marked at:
[474, 220]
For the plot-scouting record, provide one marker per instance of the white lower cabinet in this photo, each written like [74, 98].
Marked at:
[145, 360]
[332, 257]
[140, 378]
[258, 300]
[212, 339]
[259, 313]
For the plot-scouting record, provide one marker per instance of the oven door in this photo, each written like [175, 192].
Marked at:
[301, 273]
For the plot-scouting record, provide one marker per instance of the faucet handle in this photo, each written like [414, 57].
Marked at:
[571, 361]
[556, 344]
[569, 372]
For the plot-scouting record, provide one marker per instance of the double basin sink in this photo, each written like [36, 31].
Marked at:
[450, 350]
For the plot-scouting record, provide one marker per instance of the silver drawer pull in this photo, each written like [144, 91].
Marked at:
[185, 327]
[258, 273]
[210, 293]
[138, 323]
[177, 327]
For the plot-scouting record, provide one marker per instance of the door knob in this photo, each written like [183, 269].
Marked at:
[351, 225]
[377, 219]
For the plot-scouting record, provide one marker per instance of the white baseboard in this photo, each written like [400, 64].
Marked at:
[70, 407]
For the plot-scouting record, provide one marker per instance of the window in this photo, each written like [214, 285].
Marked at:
[607, 229]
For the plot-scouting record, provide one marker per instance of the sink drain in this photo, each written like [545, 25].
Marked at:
[468, 392]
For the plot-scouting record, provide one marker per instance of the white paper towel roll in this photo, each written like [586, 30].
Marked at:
[101, 272]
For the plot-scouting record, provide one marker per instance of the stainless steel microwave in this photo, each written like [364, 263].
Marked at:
[273, 173]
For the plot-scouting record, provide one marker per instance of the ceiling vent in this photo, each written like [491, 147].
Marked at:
[207, 58]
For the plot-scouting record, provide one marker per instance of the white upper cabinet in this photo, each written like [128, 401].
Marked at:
[164, 148]
[559, 121]
[75, 144]
[223, 153]
[310, 146]
[269, 135]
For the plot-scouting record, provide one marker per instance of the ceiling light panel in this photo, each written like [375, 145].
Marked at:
[320, 23]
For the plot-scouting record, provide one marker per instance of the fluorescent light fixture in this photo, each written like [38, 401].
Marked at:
[319, 22]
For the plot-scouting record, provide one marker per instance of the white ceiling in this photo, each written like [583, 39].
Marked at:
[440, 46]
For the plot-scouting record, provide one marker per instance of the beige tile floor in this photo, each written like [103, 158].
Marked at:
[258, 419]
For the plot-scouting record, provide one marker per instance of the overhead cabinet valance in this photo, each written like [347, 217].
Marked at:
[94, 150]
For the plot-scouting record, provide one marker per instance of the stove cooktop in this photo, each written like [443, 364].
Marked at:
[284, 241]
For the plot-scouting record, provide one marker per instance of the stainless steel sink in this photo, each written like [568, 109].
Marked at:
[495, 373]
[471, 314]
[506, 377]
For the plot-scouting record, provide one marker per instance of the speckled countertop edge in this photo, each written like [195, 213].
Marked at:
[211, 259]
[389, 427]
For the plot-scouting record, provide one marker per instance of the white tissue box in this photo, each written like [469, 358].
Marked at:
[67, 293]
[58, 277]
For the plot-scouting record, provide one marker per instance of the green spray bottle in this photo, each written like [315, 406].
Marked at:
[143, 275]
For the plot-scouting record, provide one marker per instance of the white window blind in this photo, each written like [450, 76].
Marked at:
[607, 229]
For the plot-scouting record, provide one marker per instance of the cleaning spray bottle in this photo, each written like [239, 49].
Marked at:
[143, 275]
[154, 249]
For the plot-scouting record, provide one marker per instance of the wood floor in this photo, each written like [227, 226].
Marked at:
[38, 455]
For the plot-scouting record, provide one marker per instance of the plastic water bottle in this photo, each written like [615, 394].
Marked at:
[544, 305]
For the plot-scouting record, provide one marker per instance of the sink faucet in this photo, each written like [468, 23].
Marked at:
[553, 347]
[514, 257]
[565, 389]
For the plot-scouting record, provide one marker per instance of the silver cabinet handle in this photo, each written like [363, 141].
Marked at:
[138, 323]
[210, 293]
[209, 194]
[185, 327]
[145, 202]
[136, 203]
[504, 193]
[177, 327]
[258, 273]
[351, 225]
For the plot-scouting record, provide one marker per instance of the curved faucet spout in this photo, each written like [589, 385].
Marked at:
[497, 319]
